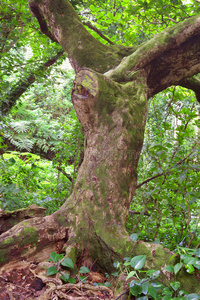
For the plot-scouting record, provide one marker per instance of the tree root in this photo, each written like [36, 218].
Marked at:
[77, 291]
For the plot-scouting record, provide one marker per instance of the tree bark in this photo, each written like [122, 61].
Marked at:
[112, 109]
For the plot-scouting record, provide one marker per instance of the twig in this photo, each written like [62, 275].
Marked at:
[160, 174]
[122, 294]
[64, 173]
[88, 24]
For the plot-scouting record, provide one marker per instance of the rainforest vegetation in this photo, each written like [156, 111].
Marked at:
[100, 126]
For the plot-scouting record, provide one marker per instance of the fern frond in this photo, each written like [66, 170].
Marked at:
[20, 126]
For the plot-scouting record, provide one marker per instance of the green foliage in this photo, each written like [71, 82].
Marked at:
[133, 22]
[168, 203]
[145, 284]
[65, 263]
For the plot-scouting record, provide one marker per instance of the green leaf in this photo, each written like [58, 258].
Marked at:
[175, 285]
[145, 287]
[190, 269]
[177, 268]
[134, 237]
[110, 15]
[153, 292]
[192, 297]
[169, 268]
[83, 278]
[135, 289]
[108, 284]
[189, 260]
[67, 262]
[167, 297]
[131, 274]
[71, 280]
[65, 277]
[115, 274]
[84, 270]
[138, 262]
[55, 257]
[52, 271]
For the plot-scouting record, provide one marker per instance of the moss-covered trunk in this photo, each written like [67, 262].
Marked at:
[113, 118]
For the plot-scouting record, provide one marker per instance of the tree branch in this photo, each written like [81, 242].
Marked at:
[165, 60]
[164, 173]
[64, 173]
[88, 24]
[192, 84]
[82, 49]
[24, 84]
[42, 22]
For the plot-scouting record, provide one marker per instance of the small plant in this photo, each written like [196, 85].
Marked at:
[60, 263]
[147, 287]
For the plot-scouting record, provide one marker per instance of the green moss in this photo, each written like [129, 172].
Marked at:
[61, 218]
[4, 256]
[28, 236]
[7, 242]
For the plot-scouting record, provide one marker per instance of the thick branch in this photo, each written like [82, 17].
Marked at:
[42, 22]
[83, 50]
[24, 84]
[192, 84]
[165, 60]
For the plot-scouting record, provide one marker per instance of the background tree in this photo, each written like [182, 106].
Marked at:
[112, 109]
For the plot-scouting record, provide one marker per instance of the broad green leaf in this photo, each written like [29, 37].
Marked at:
[67, 262]
[189, 260]
[167, 297]
[84, 270]
[138, 262]
[197, 264]
[175, 285]
[145, 287]
[153, 292]
[192, 297]
[55, 257]
[177, 268]
[136, 289]
[169, 268]
[115, 274]
[52, 271]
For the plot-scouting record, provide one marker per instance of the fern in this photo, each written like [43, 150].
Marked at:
[20, 126]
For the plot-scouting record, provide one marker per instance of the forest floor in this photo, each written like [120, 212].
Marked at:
[24, 281]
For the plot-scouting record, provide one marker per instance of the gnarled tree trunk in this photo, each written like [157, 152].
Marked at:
[112, 108]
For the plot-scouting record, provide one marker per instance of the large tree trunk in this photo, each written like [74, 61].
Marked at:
[113, 118]
[92, 222]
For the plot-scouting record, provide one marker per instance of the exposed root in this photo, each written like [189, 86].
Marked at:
[74, 291]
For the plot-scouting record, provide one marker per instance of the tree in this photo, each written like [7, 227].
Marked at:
[110, 96]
